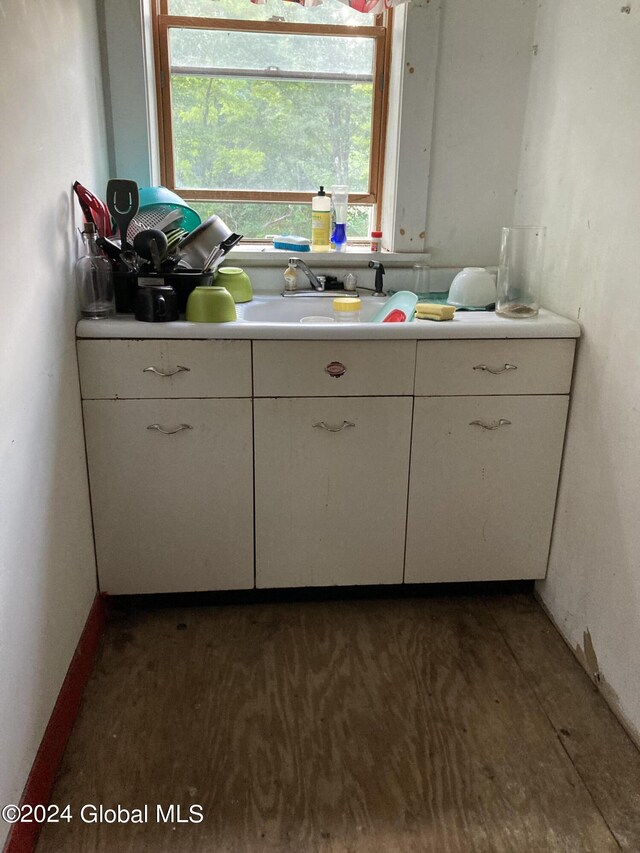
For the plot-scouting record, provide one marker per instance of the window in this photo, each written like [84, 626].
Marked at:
[260, 104]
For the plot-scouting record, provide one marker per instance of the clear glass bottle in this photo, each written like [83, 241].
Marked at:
[94, 279]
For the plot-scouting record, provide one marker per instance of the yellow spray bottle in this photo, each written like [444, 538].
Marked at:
[321, 222]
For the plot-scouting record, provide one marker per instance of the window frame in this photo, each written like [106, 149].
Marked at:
[381, 32]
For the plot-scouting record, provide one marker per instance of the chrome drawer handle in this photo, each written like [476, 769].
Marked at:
[335, 369]
[158, 428]
[179, 369]
[345, 424]
[497, 370]
[494, 425]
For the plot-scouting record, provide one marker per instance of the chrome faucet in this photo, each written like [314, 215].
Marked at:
[317, 281]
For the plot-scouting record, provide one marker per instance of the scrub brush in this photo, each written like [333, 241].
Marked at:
[291, 243]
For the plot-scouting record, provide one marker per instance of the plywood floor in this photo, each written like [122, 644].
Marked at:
[434, 725]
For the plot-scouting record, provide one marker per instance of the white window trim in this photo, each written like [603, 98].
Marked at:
[412, 94]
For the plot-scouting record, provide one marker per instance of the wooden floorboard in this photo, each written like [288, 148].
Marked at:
[363, 726]
[606, 759]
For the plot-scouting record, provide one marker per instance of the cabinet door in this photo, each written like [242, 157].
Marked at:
[484, 474]
[172, 512]
[331, 482]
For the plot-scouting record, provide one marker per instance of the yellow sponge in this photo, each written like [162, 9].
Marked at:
[434, 311]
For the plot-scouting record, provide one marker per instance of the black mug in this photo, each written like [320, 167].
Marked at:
[156, 304]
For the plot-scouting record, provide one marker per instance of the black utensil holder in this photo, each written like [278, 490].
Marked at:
[182, 281]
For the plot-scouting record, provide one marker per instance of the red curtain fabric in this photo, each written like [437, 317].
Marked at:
[367, 6]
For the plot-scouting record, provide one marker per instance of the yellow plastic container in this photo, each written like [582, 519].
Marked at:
[346, 309]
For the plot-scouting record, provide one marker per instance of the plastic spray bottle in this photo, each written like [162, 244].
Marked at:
[321, 222]
[340, 197]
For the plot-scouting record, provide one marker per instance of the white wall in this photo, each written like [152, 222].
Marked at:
[580, 176]
[484, 61]
[52, 133]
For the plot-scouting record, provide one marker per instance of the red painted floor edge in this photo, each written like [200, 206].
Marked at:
[23, 837]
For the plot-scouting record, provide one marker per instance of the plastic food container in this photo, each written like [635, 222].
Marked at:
[316, 320]
[395, 316]
[404, 301]
[347, 309]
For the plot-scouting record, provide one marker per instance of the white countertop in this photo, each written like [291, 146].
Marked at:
[466, 324]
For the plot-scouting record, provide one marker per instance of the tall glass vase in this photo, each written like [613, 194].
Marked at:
[520, 271]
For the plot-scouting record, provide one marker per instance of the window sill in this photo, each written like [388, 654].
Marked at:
[261, 255]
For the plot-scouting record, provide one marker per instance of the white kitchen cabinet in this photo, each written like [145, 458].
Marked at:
[483, 480]
[331, 480]
[172, 493]
[365, 461]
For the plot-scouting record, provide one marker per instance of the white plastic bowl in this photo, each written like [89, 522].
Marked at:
[474, 287]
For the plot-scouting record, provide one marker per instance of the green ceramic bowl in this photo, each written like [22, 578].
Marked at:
[210, 305]
[237, 283]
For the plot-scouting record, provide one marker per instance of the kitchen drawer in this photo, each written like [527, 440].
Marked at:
[333, 368]
[112, 369]
[453, 368]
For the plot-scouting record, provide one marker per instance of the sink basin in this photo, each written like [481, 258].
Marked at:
[278, 309]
